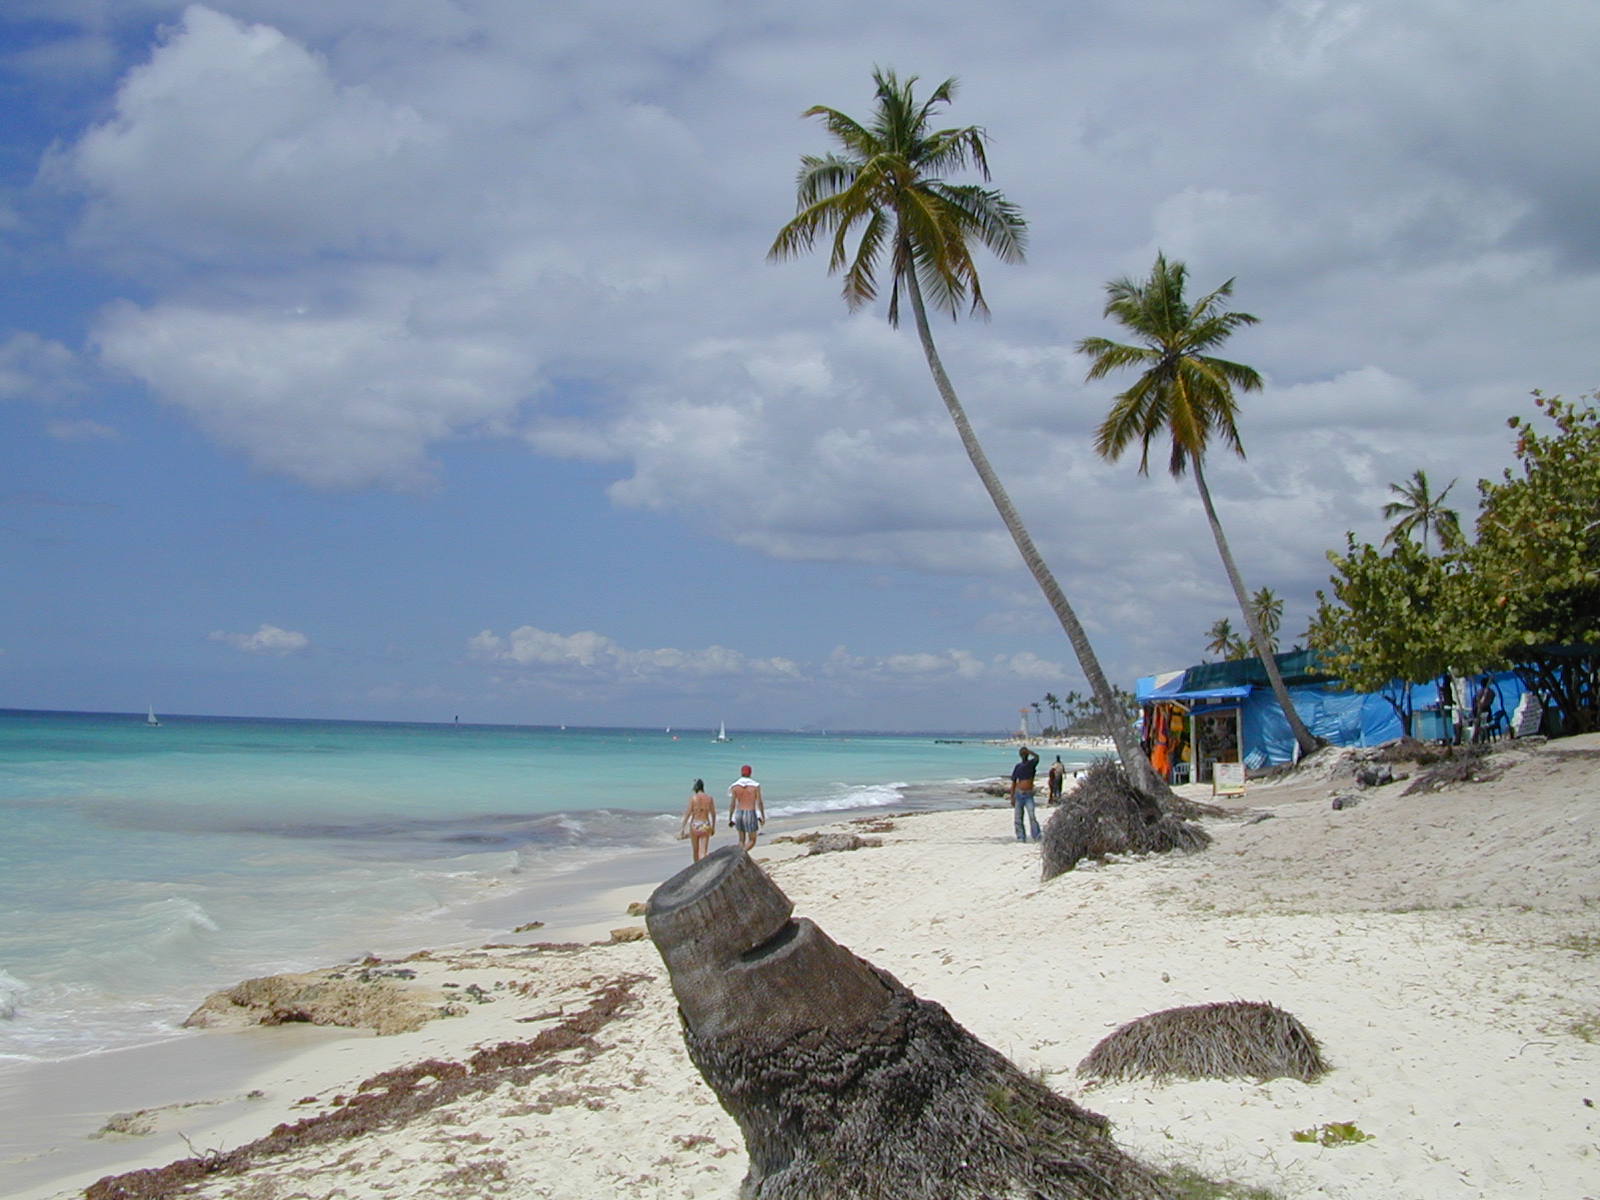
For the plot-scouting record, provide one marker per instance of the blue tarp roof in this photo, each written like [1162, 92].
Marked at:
[1169, 686]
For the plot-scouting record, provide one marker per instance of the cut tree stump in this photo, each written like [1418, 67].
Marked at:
[844, 1083]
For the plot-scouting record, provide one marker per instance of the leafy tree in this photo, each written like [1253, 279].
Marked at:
[1537, 560]
[1395, 619]
[1186, 393]
[1525, 594]
[1416, 509]
[885, 186]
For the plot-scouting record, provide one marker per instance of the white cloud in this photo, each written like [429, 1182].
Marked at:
[269, 639]
[353, 242]
[235, 141]
[594, 654]
[337, 399]
[39, 369]
[596, 658]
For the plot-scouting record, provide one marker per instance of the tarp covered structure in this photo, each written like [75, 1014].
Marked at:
[1206, 693]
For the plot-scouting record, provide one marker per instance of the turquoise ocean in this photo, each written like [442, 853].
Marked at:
[143, 867]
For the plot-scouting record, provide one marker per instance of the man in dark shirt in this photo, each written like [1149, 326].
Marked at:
[1022, 792]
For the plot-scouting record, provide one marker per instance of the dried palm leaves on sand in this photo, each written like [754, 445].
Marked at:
[1238, 1039]
[1104, 815]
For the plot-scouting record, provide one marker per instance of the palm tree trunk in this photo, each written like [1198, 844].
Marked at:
[1134, 762]
[1302, 735]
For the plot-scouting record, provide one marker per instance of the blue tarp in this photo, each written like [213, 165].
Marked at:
[1339, 717]
[1148, 689]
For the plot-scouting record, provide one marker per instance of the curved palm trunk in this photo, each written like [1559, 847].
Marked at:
[1133, 758]
[1302, 735]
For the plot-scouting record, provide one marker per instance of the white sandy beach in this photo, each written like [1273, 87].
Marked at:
[1444, 949]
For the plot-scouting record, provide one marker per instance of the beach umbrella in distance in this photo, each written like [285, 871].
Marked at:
[844, 1083]
[886, 185]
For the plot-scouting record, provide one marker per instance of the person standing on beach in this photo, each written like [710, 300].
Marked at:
[1022, 792]
[1057, 774]
[747, 812]
[699, 819]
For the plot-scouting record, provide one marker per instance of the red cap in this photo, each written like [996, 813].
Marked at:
[744, 770]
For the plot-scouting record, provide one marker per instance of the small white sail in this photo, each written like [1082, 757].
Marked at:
[150, 716]
[722, 733]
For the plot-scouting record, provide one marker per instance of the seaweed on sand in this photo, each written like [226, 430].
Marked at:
[387, 1100]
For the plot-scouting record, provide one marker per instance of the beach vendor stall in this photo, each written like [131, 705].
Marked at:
[1190, 729]
[1226, 713]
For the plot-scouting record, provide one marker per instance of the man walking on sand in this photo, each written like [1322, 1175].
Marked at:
[1022, 792]
[747, 812]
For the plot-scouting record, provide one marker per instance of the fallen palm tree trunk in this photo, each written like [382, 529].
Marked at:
[844, 1083]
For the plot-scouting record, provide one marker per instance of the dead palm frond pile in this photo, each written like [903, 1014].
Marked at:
[1106, 815]
[1237, 1039]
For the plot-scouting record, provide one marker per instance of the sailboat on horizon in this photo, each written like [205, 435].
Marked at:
[722, 733]
[150, 716]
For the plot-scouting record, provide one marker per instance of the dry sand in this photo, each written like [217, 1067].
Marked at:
[1444, 948]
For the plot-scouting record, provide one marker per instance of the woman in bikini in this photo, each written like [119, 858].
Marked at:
[699, 819]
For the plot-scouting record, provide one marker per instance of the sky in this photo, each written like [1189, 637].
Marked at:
[422, 360]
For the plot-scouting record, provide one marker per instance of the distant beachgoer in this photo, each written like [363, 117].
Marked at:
[1483, 710]
[1057, 774]
[747, 812]
[1022, 792]
[699, 819]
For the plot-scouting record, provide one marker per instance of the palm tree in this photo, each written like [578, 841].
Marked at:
[1188, 394]
[885, 185]
[1053, 703]
[1223, 640]
[1418, 510]
[1268, 606]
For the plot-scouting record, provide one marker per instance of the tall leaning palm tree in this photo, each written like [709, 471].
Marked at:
[1419, 510]
[884, 186]
[1187, 393]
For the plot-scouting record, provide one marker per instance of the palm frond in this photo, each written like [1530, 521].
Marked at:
[1181, 390]
[884, 186]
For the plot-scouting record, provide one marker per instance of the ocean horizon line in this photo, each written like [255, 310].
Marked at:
[541, 727]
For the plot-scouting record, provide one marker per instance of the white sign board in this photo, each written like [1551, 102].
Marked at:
[1525, 721]
[1227, 779]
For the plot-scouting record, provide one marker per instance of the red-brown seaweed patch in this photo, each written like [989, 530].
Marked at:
[388, 1100]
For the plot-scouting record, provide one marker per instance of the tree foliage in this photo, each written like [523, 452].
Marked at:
[1416, 509]
[1187, 394]
[1537, 561]
[884, 187]
[1225, 642]
[1078, 715]
[1394, 619]
[1524, 595]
